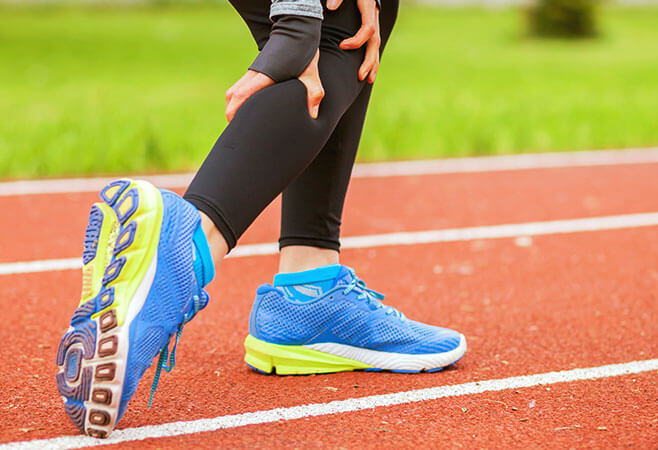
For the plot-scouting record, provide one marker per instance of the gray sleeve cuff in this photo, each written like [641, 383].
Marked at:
[307, 8]
[293, 42]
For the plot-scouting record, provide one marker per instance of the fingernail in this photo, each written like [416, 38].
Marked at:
[314, 112]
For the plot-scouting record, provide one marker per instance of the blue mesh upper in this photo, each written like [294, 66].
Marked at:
[341, 318]
[170, 297]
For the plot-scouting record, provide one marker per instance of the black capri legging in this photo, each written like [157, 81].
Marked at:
[272, 145]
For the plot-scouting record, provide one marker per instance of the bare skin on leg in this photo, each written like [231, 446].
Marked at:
[216, 241]
[296, 258]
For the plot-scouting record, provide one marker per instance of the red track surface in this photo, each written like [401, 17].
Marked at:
[564, 416]
[567, 301]
[378, 205]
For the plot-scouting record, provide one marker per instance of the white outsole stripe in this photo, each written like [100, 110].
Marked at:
[394, 361]
[339, 406]
[374, 170]
[406, 238]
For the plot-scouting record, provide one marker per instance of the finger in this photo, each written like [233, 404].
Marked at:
[227, 110]
[310, 78]
[370, 59]
[365, 69]
[232, 102]
[368, 63]
[232, 108]
[230, 96]
[314, 94]
[333, 4]
[361, 37]
[230, 112]
[373, 73]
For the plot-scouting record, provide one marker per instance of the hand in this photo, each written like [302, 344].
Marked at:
[253, 81]
[250, 83]
[369, 32]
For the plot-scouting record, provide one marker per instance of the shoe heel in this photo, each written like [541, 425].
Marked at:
[294, 359]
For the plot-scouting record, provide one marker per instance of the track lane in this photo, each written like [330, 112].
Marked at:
[578, 306]
[422, 202]
[621, 412]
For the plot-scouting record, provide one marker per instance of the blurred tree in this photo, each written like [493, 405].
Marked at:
[562, 18]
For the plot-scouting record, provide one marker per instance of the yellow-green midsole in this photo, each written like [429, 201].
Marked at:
[92, 272]
[141, 252]
[295, 359]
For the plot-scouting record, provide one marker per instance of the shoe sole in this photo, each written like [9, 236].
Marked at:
[119, 259]
[271, 358]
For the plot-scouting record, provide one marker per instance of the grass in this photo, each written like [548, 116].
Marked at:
[89, 90]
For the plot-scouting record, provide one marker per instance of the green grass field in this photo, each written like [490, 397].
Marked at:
[119, 90]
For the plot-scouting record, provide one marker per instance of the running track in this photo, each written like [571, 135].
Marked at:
[533, 304]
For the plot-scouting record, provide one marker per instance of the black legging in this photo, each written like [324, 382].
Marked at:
[272, 145]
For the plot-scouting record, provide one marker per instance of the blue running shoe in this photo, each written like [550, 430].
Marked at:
[139, 288]
[346, 328]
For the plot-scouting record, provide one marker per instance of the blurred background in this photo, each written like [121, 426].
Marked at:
[92, 87]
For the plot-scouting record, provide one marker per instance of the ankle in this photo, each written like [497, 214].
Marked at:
[216, 242]
[298, 258]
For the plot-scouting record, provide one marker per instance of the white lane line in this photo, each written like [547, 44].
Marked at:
[370, 170]
[406, 238]
[44, 265]
[509, 162]
[339, 406]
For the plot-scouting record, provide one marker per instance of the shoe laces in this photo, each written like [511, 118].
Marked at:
[370, 296]
[167, 359]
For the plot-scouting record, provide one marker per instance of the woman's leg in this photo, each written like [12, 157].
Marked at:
[272, 139]
[256, 15]
[319, 317]
[313, 204]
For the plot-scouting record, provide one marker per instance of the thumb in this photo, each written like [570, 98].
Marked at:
[314, 95]
[314, 90]
[333, 4]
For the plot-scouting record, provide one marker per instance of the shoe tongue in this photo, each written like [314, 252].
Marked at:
[345, 276]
